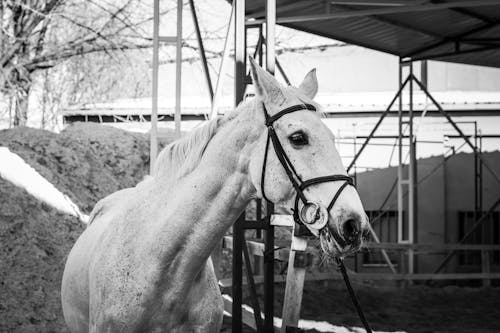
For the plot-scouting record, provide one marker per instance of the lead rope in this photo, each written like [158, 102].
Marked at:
[354, 298]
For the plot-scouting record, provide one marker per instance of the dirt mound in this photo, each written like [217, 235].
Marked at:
[35, 240]
[86, 162]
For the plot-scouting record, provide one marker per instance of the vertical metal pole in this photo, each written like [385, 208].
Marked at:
[269, 272]
[476, 171]
[153, 145]
[480, 171]
[178, 70]
[412, 187]
[270, 36]
[261, 49]
[202, 50]
[237, 286]
[222, 66]
[400, 158]
[239, 51]
[239, 90]
[269, 236]
[423, 72]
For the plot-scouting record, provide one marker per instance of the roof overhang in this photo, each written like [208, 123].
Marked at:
[461, 31]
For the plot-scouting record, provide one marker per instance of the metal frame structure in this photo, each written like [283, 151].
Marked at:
[177, 41]
[407, 175]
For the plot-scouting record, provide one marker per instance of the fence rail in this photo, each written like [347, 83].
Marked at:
[256, 248]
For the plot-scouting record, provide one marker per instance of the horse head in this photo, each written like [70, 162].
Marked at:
[298, 165]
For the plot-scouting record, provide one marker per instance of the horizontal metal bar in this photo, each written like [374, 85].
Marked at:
[168, 39]
[449, 54]
[431, 113]
[437, 247]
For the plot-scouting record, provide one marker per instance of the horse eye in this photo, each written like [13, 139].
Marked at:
[298, 139]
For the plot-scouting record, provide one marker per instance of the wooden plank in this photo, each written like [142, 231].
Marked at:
[281, 220]
[293, 294]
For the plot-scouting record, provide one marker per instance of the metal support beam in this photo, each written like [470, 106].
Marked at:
[269, 236]
[271, 36]
[238, 229]
[239, 51]
[449, 54]
[237, 283]
[153, 139]
[412, 176]
[455, 38]
[372, 133]
[178, 70]
[202, 50]
[223, 64]
[455, 126]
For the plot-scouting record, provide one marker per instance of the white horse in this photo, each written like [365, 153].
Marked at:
[143, 264]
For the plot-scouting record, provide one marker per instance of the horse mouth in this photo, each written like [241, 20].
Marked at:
[334, 246]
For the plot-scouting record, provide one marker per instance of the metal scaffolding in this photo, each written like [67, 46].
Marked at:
[407, 185]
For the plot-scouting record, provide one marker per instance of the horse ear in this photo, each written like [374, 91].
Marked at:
[309, 85]
[266, 86]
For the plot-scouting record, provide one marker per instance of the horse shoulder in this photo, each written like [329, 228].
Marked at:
[114, 199]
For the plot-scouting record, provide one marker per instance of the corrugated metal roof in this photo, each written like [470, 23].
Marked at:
[454, 30]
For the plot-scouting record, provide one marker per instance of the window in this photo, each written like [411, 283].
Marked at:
[488, 232]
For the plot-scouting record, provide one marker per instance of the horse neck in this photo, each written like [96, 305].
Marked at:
[212, 196]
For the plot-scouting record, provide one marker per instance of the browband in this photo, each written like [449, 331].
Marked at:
[271, 119]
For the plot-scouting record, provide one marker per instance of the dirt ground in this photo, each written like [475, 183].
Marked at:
[87, 162]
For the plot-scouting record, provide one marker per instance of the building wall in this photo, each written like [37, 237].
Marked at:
[445, 189]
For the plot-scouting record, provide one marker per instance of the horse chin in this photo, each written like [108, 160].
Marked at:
[332, 249]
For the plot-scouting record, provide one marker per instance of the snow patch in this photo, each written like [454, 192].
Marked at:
[15, 170]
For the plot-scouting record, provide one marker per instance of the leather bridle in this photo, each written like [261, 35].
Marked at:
[297, 182]
[301, 185]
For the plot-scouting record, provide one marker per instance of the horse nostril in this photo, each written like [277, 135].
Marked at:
[351, 230]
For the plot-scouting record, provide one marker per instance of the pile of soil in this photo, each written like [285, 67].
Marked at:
[86, 162]
[35, 240]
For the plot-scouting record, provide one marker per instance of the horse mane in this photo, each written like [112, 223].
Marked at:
[182, 156]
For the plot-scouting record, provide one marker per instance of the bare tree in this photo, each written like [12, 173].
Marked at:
[39, 34]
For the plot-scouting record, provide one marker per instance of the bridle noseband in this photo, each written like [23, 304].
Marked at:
[317, 223]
